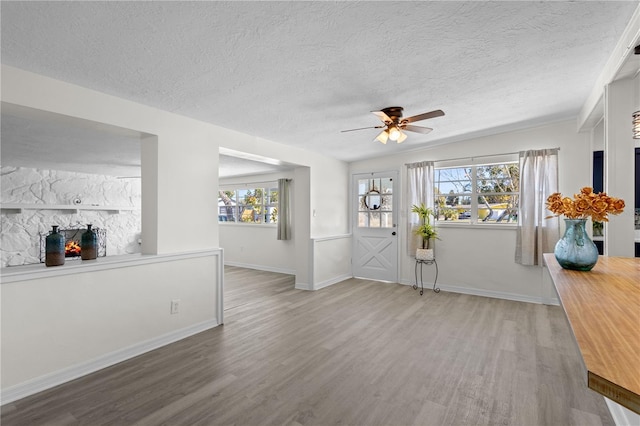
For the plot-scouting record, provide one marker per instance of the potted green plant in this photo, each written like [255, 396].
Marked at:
[426, 231]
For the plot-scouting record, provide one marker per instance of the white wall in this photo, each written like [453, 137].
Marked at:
[256, 245]
[59, 327]
[481, 261]
[619, 103]
[329, 198]
[598, 136]
[178, 216]
[320, 199]
[168, 199]
[332, 260]
[181, 144]
[319, 259]
[328, 182]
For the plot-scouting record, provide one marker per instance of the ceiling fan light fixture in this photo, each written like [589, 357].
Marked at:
[383, 137]
[395, 125]
[394, 133]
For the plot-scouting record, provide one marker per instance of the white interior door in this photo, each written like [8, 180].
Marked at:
[375, 230]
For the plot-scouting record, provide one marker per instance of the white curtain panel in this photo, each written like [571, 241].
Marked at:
[420, 190]
[538, 179]
[284, 209]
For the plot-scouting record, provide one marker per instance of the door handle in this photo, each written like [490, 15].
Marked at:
[393, 233]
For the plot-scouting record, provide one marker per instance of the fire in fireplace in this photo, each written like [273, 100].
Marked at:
[72, 249]
[72, 239]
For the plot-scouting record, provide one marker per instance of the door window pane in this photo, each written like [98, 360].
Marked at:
[387, 203]
[363, 219]
[386, 220]
[374, 220]
[375, 196]
[386, 185]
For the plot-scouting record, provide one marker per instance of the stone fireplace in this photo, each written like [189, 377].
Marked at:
[34, 200]
[72, 237]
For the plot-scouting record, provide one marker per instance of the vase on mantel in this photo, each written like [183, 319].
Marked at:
[89, 244]
[54, 248]
[575, 250]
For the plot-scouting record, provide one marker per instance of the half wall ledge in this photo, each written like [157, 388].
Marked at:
[14, 274]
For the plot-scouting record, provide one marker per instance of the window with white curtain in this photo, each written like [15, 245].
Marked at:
[477, 193]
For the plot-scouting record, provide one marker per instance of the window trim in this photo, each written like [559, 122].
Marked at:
[265, 186]
[251, 224]
[474, 163]
[457, 224]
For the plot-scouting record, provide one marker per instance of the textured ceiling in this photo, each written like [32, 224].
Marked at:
[300, 72]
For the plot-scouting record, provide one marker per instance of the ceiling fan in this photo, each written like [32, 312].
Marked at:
[394, 124]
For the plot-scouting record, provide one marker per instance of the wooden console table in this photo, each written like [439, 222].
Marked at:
[603, 309]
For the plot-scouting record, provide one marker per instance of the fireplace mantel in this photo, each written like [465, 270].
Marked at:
[70, 208]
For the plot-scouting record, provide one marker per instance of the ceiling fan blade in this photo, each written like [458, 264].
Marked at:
[419, 117]
[362, 128]
[417, 129]
[382, 116]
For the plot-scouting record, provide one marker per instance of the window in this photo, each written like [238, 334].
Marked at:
[481, 193]
[375, 203]
[255, 205]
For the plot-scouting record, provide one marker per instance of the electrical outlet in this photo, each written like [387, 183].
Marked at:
[175, 306]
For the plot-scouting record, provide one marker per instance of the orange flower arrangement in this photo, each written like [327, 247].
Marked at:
[586, 203]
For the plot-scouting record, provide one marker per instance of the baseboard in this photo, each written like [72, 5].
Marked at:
[622, 416]
[304, 286]
[299, 286]
[551, 301]
[490, 293]
[261, 267]
[38, 384]
[332, 281]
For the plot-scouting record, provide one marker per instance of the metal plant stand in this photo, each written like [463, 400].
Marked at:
[421, 263]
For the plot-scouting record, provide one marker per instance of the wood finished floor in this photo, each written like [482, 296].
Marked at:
[356, 353]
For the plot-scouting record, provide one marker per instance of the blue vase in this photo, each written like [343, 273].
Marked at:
[575, 250]
[54, 248]
[89, 244]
